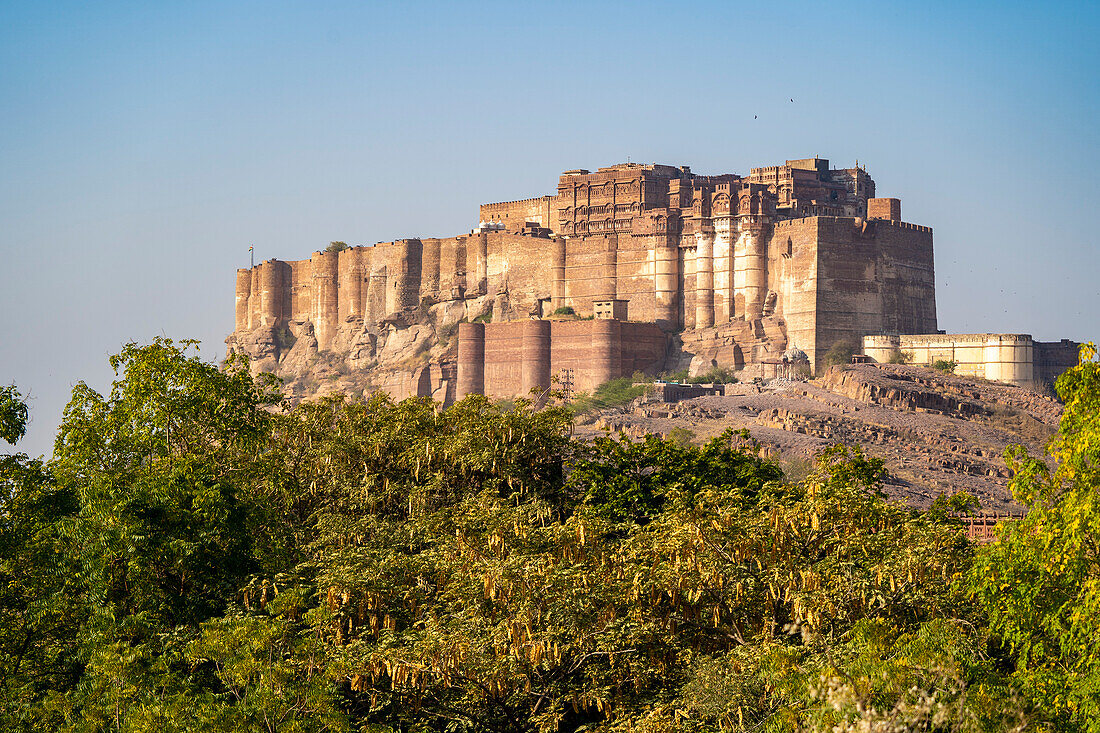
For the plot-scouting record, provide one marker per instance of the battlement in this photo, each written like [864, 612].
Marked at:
[903, 225]
[506, 204]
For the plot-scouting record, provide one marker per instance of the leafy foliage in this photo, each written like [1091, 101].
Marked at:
[841, 352]
[13, 415]
[945, 365]
[612, 393]
[198, 556]
[1040, 584]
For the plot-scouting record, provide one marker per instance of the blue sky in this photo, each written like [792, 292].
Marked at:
[144, 146]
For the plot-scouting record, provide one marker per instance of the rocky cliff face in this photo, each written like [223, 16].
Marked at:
[409, 353]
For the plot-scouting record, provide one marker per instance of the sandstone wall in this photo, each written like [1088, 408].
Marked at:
[996, 356]
[509, 359]
[514, 214]
[871, 278]
[367, 284]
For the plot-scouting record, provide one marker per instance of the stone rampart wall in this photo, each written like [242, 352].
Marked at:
[872, 277]
[509, 359]
[1003, 357]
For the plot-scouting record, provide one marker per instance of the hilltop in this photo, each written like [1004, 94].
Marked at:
[938, 433]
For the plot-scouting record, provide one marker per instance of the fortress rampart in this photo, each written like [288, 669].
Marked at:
[1005, 357]
[728, 270]
[508, 359]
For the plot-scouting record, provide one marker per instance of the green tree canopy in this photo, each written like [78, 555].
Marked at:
[197, 555]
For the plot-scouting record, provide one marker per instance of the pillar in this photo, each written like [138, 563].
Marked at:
[535, 346]
[471, 360]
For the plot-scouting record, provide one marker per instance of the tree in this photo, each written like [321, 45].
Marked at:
[38, 600]
[194, 558]
[13, 415]
[1040, 584]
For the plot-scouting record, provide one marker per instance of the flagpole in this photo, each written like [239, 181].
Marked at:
[251, 258]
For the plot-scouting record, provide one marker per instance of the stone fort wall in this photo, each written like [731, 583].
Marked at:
[741, 267]
[1005, 357]
[509, 359]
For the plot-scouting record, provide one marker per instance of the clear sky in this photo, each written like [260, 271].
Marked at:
[144, 146]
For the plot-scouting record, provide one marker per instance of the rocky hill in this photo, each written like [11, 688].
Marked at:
[937, 433]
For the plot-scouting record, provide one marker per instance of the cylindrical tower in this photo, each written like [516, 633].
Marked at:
[536, 355]
[254, 300]
[346, 260]
[324, 270]
[430, 268]
[405, 283]
[557, 292]
[607, 351]
[244, 289]
[449, 266]
[354, 285]
[1010, 358]
[375, 309]
[270, 293]
[666, 282]
[471, 360]
[704, 279]
[477, 263]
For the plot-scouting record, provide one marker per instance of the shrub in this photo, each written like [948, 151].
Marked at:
[284, 339]
[716, 375]
[897, 356]
[680, 376]
[943, 365]
[334, 247]
[565, 310]
[447, 332]
[681, 436]
[613, 393]
[484, 318]
[840, 352]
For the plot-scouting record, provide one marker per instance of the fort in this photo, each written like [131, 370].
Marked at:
[629, 268]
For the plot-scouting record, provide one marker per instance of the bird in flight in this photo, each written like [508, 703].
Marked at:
[754, 117]
[792, 99]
